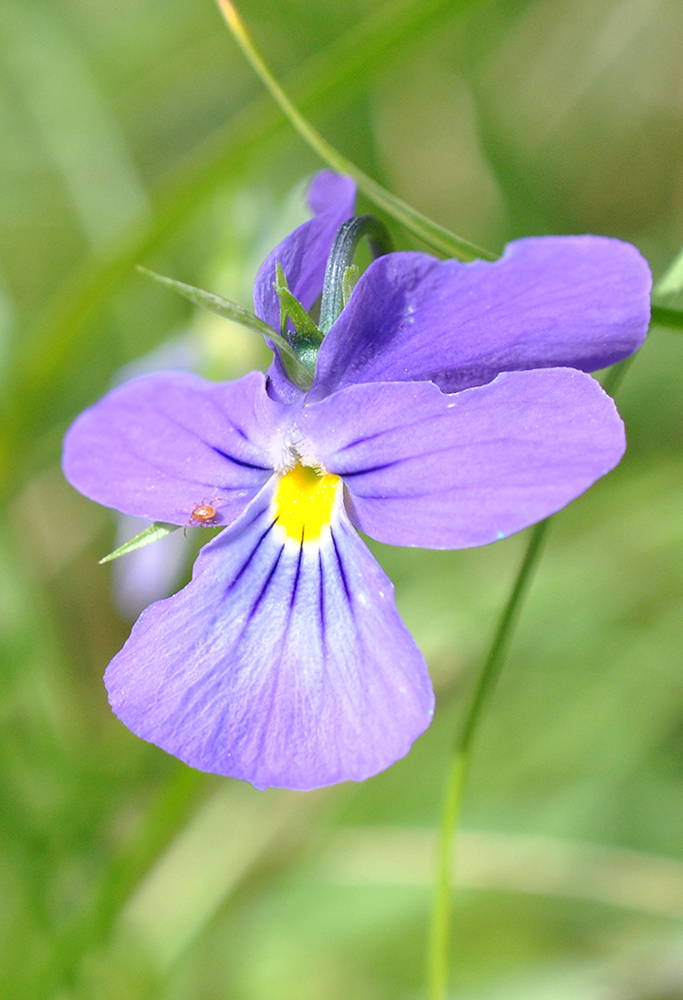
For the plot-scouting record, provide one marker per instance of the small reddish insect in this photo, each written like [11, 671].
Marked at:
[203, 513]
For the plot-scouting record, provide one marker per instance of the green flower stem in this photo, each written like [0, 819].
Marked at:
[431, 233]
[439, 943]
[438, 962]
[340, 260]
[295, 370]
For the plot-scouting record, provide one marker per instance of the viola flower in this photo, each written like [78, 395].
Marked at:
[450, 407]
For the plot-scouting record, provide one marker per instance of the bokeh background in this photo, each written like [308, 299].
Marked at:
[134, 132]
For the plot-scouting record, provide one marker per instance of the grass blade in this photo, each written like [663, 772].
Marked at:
[156, 531]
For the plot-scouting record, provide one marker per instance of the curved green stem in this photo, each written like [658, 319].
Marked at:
[437, 972]
[431, 233]
[341, 258]
[440, 935]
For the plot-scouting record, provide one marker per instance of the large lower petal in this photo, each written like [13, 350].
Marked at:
[163, 444]
[280, 663]
[575, 301]
[451, 471]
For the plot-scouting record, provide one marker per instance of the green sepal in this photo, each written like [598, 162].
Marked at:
[305, 328]
[152, 534]
[306, 337]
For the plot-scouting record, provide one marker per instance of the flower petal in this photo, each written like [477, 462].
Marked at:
[165, 443]
[451, 471]
[280, 663]
[560, 301]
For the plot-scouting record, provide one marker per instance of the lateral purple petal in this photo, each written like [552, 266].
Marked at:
[165, 443]
[555, 301]
[451, 471]
[281, 664]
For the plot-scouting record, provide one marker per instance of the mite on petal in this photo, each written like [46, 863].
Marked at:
[449, 405]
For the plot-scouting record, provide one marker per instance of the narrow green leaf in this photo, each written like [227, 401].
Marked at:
[216, 303]
[434, 235]
[238, 314]
[152, 534]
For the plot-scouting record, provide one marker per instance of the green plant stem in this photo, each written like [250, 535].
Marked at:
[439, 944]
[437, 973]
[340, 259]
[430, 232]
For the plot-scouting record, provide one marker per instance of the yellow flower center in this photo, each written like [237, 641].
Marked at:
[304, 502]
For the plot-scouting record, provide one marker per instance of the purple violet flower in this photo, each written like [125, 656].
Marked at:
[450, 407]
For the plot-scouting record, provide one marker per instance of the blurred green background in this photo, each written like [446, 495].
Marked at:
[135, 133]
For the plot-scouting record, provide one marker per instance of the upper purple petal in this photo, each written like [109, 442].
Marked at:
[555, 301]
[329, 191]
[280, 663]
[165, 443]
[451, 471]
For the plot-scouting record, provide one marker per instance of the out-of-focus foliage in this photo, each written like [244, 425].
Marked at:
[134, 133]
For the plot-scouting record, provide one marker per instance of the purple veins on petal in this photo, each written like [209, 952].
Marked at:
[280, 663]
[163, 444]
